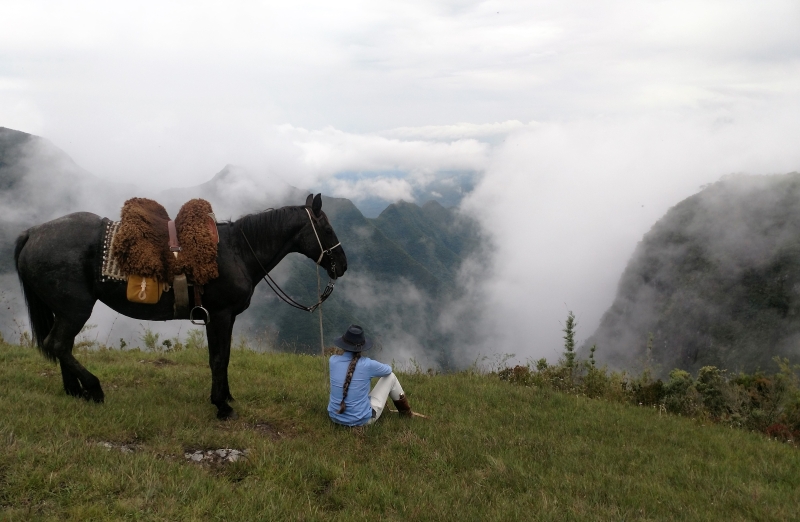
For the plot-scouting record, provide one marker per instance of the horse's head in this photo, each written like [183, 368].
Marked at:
[321, 243]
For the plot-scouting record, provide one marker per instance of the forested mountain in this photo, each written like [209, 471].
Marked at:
[402, 266]
[402, 271]
[430, 235]
[716, 282]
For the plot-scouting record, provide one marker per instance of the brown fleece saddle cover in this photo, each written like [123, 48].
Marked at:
[141, 241]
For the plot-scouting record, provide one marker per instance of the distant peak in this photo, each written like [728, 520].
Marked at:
[432, 203]
[226, 171]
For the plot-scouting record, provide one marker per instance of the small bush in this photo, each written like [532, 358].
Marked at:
[680, 395]
[150, 340]
[196, 339]
[648, 393]
[782, 432]
[596, 381]
[517, 375]
[710, 384]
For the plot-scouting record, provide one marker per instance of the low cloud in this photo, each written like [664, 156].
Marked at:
[565, 204]
[329, 151]
[374, 167]
[456, 132]
[387, 189]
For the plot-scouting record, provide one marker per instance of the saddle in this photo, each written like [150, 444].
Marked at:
[151, 249]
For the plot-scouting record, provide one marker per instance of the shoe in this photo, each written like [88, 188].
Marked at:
[402, 405]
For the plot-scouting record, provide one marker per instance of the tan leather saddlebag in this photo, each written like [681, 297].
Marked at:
[145, 290]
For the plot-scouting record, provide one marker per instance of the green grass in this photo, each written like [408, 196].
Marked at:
[490, 450]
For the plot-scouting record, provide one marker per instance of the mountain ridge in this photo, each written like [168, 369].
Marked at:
[715, 282]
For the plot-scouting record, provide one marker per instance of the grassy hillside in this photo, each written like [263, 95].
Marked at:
[490, 450]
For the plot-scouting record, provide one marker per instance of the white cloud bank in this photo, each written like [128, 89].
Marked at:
[166, 93]
[565, 205]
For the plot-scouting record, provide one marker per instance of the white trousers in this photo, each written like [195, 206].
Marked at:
[386, 387]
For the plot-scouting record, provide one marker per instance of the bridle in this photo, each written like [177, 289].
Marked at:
[279, 291]
[323, 251]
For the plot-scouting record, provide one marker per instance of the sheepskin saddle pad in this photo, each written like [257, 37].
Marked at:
[139, 243]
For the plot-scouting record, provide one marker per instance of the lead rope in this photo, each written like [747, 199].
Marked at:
[326, 370]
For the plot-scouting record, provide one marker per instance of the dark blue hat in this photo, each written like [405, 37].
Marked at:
[353, 340]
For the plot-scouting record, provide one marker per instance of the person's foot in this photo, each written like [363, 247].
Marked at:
[402, 405]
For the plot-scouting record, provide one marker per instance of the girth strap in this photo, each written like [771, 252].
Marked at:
[181, 289]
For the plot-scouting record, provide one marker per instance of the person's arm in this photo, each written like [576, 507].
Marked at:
[377, 369]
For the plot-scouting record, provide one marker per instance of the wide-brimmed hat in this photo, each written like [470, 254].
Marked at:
[353, 340]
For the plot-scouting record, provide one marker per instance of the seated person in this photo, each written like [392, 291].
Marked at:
[351, 402]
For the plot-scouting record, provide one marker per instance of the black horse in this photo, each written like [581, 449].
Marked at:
[58, 265]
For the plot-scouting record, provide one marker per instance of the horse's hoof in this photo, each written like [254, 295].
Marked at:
[73, 392]
[230, 415]
[94, 395]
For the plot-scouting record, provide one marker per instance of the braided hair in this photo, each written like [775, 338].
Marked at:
[346, 386]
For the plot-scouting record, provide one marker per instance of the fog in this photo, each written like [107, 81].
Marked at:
[578, 123]
[566, 204]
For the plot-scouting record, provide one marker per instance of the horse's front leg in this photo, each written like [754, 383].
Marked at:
[219, 332]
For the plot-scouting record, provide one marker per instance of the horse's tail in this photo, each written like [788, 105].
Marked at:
[40, 315]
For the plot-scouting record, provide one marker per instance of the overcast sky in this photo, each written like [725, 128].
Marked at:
[586, 120]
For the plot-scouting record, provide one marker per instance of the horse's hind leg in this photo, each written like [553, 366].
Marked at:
[78, 381]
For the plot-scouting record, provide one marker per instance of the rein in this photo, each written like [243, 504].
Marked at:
[279, 291]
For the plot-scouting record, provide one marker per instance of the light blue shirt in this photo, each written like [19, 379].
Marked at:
[358, 409]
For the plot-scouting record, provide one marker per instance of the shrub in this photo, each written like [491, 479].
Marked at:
[791, 416]
[596, 381]
[196, 339]
[710, 384]
[781, 432]
[517, 375]
[647, 392]
[680, 396]
[150, 340]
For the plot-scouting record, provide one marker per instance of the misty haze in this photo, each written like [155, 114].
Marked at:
[571, 228]
[423, 276]
[554, 136]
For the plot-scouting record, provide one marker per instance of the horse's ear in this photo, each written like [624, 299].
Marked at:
[316, 207]
[309, 199]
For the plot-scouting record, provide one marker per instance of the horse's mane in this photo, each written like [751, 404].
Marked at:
[263, 226]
